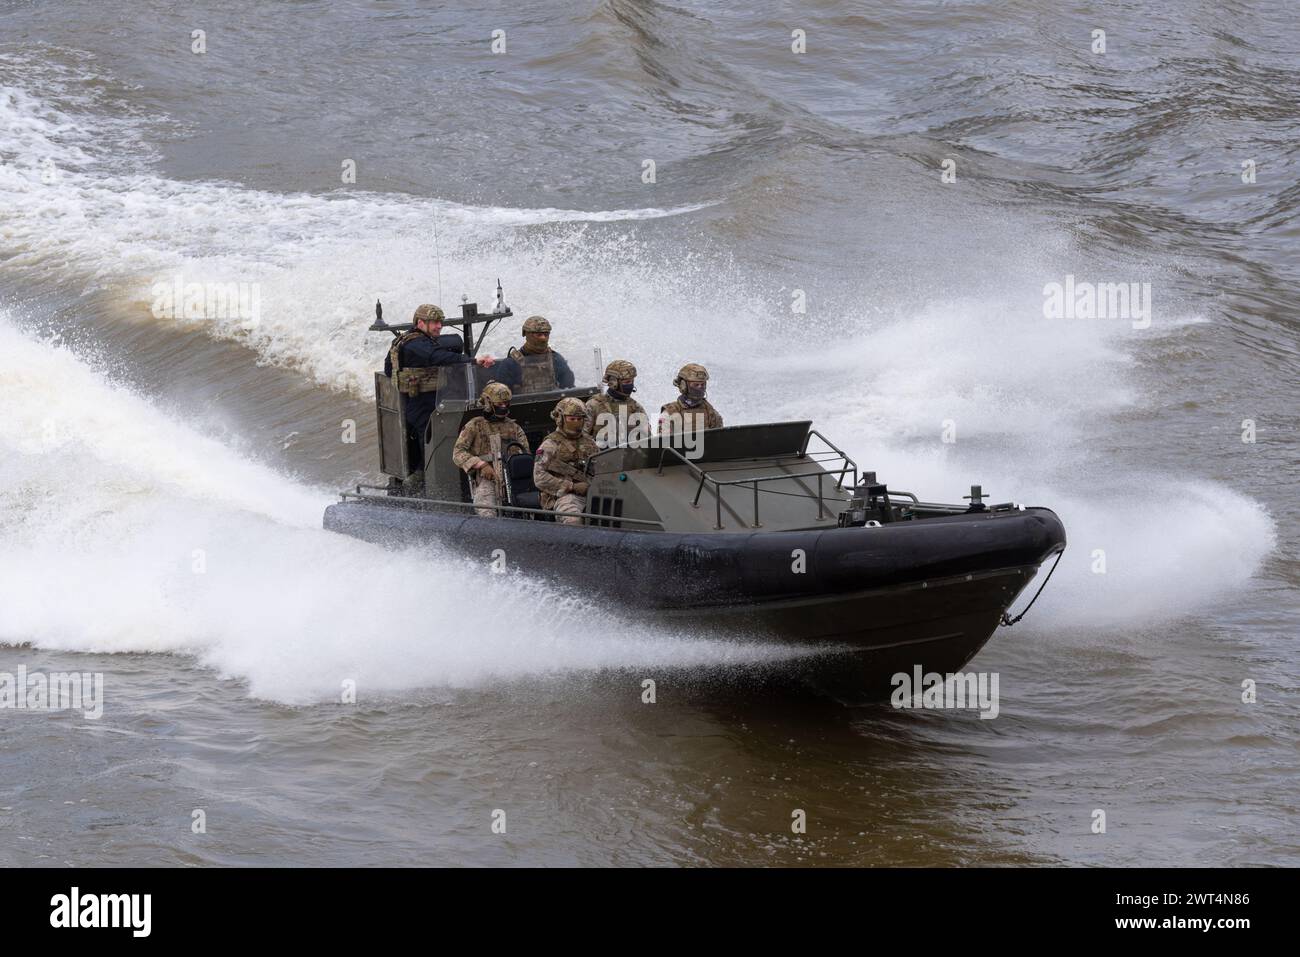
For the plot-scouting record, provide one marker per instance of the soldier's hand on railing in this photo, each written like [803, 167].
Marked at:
[579, 488]
[487, 362]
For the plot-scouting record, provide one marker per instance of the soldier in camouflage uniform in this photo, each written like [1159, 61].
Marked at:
[558, 470]
[483, 446]
[536, 367]
[610, 415]
[691, 410]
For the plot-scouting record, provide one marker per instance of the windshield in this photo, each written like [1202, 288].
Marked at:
[464, 383]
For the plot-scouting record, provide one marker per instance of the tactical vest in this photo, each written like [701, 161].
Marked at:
[537, 371]
[569, 460]
[701, 417]
[412, 381]
[491, 438]
[622, 412]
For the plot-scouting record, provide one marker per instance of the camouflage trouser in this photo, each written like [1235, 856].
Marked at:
[485, 493]
[568, 507]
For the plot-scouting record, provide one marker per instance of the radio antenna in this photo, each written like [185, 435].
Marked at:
[437, 256]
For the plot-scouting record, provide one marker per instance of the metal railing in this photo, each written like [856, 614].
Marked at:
[848, 462]
[409, 500]
[846, 466]
[756, 480]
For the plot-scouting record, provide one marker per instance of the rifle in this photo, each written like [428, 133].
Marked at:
[572, 472]
[499, 467]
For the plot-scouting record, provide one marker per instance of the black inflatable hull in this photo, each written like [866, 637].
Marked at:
[881, 600]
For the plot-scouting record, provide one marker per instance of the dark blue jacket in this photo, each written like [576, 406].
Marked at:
[422, 353]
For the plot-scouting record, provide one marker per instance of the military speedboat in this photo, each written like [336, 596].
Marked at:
[766, 531]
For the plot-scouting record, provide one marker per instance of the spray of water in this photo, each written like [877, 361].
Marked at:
[109, 506]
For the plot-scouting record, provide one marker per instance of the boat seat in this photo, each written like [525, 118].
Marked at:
[519, 473]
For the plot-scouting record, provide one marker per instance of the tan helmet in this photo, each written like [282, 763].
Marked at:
[536, 324]
[567, 407]
[619, 369]
[494, 394]
[428, 313]
[691, 372]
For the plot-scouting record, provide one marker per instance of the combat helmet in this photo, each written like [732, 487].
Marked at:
[428, 313]
[536, 324]
[619, 369]
[691, 372]
[565, 407]
[615, 373]
[493, 397]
